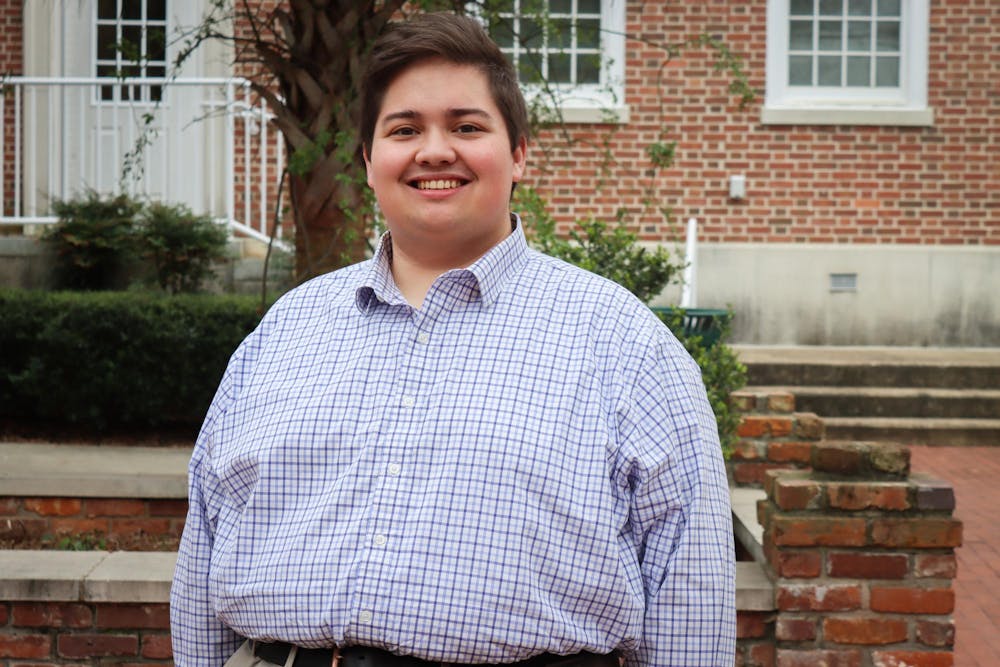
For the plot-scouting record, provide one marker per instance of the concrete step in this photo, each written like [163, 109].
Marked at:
[912, 431]
[946, 368]
[895, 402]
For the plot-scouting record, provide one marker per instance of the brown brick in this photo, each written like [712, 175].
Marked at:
[751, 624]
[789, 452]
[808, 426]
[820, 531]
[753, 473]
[935, 566]
[4, 614]
[107, 507]
[78, 526]
[861, 496]
[54, 614]
[760, 655]
[795, 629]
[16, 530]
[796, 564]
[818, 598]
[97, 646]
[747, 450]
[142, 616]
[912, 659]
[781, 402]
[864, 630]
[912, 600]
[171, 508]
[743, 401]
[10, 506]
[757, 426]
[128, 527]
[917, 533]
[856, 565]
[890, 458]
[933, 495]
[25, 646]
[936, 633]
[839, 458]
[156, 647]
[53, 506]
[814, 658]
[796, 494]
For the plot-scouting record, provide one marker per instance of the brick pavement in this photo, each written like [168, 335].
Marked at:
[975, 474]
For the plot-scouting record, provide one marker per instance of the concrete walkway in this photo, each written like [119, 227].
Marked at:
[974, 472]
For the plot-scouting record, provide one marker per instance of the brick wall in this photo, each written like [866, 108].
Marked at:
[12, 31]
[123, 523]
[862, 553]
[806, 184]
[50, 633]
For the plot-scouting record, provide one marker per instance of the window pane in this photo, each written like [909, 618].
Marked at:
[859, 7]
[156, 10]
[107, 9]
[588, 7]
[802, 7]
[156, 44]
[529, 68]
[588, 68]
[131, 43]
[560, 6]
[831, 7]
[887, 71]
[588, 34]
[888, 7]
[858, 70]
[156, 71]
[888, 36]
[107, 71]
[502, 32]
[800, 71]
[859, 36]
[531, 33]
[800, 35]
[560, 34]
[829, 71]
[132, 9]
[156, 93]
[106, 40]
[559, 68]
[829, 35]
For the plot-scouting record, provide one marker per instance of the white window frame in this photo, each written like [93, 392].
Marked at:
[140, 95]
[819, 105]
[594, 103]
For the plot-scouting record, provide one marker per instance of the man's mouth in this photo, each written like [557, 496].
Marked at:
[438, 184]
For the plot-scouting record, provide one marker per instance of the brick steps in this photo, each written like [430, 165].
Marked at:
[925, 396]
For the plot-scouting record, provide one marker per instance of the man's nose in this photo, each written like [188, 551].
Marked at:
[436, 148]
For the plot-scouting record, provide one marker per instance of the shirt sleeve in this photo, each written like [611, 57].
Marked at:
[198, 637]
[680, 514]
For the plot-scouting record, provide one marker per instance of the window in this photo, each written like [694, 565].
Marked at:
[847, 62]
[131, 41]
[577, 46]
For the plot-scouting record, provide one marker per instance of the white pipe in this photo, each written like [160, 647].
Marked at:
[689, 292]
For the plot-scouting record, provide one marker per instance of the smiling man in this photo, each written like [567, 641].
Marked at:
[461, 451]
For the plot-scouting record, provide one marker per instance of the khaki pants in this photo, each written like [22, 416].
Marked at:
[245, 657]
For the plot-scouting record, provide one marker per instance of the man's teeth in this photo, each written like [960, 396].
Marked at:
[437, 185]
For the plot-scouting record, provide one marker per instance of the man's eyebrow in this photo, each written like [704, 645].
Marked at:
[458, 112]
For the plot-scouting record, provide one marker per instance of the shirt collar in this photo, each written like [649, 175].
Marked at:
[490, 272]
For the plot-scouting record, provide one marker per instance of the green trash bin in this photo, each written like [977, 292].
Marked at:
[704, 322]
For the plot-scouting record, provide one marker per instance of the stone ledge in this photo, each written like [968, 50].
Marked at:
[746, 528]
[86, 576]
[93, 471]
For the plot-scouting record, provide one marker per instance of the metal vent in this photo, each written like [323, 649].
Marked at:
[843, 282]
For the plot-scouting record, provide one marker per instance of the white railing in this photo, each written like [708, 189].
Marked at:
[207, 145]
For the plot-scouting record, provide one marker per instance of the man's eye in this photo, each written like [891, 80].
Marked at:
[467, 128]
[403, 131]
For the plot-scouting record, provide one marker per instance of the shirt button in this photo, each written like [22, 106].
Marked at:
[409, 401]
[365, 616]
[379, 540]
[423, 338]
[394, 469]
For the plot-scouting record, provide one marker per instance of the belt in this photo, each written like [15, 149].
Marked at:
[366, 656]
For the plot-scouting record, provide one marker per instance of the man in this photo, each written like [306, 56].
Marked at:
[460, 451]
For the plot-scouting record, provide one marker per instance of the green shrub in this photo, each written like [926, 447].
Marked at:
[181, 246]
[116, 359]
[614, 253]
[92, 239]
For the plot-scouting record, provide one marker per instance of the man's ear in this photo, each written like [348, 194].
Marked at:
[368, 165]
[520, 156]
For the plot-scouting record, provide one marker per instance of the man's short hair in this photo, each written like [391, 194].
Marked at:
[457, 39]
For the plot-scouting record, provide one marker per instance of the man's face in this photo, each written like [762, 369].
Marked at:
[441, 164]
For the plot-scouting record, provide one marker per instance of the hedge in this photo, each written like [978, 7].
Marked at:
[116, 359]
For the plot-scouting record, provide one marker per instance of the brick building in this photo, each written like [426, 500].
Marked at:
[869, 213]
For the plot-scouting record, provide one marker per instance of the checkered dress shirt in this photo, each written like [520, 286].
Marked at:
[528, 463]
